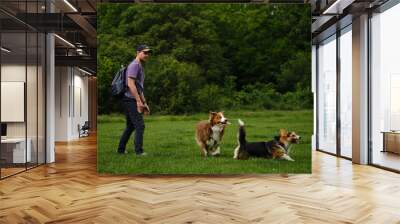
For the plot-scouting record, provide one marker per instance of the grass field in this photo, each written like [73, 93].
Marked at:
[169, 142]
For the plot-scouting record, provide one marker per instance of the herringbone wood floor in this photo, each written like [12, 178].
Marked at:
[70, 191]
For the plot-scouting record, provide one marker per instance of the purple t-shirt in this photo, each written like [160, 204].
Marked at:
[135, 70]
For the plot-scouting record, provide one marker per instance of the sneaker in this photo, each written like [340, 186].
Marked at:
[141, 154]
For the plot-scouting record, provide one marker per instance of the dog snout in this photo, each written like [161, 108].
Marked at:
[225, 121]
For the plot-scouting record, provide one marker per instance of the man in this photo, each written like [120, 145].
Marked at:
[134, 102]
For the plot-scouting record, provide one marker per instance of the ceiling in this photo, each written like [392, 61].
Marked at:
[330, 15]
[74, 22]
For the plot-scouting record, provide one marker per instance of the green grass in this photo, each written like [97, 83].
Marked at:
[169, 142]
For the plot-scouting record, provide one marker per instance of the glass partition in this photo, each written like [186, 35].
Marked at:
[32, 97]
[22, 78]
[41, 110]
[14, 154]
[385, 89]
[327, 95]
[346, 92]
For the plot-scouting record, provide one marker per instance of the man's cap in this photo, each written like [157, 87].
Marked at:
[142, 47]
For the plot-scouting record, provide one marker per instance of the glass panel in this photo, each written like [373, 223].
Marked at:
[385, 84]
[23, 88]
[31, 97]
[41, 99]
[13, 85]
[346, 92]
[327, 95]
[32, 88]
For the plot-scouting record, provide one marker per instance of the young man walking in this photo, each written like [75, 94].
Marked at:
[134, 101]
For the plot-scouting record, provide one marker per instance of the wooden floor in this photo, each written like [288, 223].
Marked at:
[10, 171]
[70, 191]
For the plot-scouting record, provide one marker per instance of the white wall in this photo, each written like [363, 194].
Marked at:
[71, 94]
[61, 103]
[80, 101]
[33, 127]
[17, 72]
[14, 72]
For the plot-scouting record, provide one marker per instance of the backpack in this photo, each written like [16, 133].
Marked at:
[119, 85]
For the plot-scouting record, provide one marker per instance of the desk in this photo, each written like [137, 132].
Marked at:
[15, 148]
[391, 141]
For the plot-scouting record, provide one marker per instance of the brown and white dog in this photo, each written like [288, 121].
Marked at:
[209, 133]
[279, 148]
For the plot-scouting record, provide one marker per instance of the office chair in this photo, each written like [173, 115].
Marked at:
[84, 130]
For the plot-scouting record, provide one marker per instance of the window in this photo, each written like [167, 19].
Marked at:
[346, 92]
[385, 88]
[327, 95]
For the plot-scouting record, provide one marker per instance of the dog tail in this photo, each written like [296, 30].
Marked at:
[241, 148]
[242, 134]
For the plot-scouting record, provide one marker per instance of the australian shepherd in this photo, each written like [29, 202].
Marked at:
[279, 148]
[209, 133]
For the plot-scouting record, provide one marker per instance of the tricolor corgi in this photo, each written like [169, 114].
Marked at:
[279, 148]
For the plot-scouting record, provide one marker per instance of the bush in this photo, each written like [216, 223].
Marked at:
[265, 96]
[258, 96]
[210, 98]
[300, 99]
[171, 86]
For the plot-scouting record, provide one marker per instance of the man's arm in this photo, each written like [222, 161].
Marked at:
[146, 107]
[134, 92]
[142, 98]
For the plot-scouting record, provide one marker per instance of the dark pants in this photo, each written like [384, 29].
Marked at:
[134, 122]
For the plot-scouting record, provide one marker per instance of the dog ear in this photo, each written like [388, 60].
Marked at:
[212, 114]
[283, 132]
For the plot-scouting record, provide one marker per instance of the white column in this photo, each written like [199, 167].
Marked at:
[50, 93]
[50, 110]
[360, 90]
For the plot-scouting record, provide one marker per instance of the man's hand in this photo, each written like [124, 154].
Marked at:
[140, 106]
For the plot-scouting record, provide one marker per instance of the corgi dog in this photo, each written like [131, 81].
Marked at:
[278, 148]
[209, 133]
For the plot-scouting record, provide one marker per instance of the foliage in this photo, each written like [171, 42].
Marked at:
[209, 56]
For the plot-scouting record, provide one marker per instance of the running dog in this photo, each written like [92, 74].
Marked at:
[279, 148]
[209, 133]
